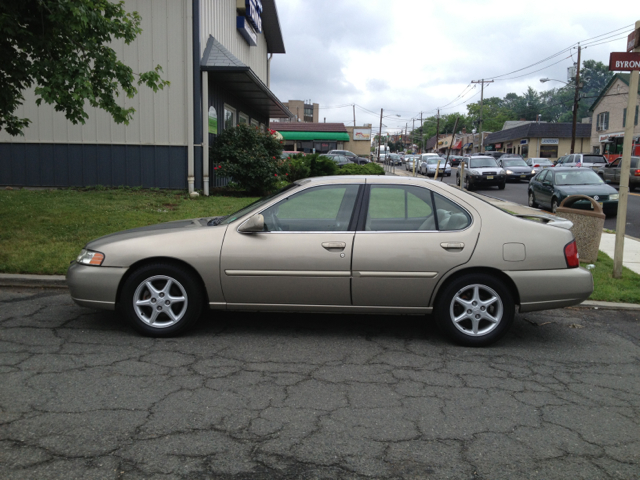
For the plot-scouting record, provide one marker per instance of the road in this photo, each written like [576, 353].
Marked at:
[289, 396]
[517, 193]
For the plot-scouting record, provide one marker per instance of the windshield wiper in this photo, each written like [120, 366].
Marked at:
[217, 220]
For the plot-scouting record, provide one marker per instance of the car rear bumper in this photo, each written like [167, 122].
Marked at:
[519, 176]
[547, 289]
[94, 287]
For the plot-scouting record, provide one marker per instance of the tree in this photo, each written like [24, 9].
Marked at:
[494, 114]
[62, 48]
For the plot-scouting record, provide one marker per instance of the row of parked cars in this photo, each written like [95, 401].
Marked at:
[550, 183]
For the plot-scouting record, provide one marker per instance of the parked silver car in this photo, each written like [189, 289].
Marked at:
[610, 173]
[429, 167]
[481, 170]
[538, 164]
[350, 244]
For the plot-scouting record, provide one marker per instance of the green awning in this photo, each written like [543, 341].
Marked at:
[335, 136]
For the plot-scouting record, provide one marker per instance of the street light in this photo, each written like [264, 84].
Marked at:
[576, 97]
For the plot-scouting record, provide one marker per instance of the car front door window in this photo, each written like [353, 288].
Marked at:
[327, 208]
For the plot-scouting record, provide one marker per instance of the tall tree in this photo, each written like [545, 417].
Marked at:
[62, 47]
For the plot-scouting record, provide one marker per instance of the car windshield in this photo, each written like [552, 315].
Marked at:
[578, 177]
[243, 211]
[515, 162]
[482, 162]
[434, 160]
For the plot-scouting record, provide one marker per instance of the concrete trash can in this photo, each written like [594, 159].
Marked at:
[587, 226]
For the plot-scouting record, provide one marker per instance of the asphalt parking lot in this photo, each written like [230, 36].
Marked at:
[287, 396]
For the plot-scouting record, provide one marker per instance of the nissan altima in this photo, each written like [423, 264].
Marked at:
[344, 244]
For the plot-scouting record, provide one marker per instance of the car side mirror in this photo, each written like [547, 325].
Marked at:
[254, 224]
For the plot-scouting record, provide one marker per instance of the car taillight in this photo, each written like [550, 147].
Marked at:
[571, 254]
[636, 173]
[536, 166]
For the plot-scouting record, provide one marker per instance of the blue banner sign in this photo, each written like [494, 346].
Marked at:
[254, 13]
[247, 31]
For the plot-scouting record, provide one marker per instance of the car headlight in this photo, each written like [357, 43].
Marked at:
[509, 172]
[89, 257]
[473, 172]
[533, 172]
[501, 172]
[615, 196]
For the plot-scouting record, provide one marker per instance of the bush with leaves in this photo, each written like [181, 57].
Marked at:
[296, 167]
[250, 157]
[320, 165]
[366, 169]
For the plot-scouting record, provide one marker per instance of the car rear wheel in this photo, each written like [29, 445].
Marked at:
[475, 310]
[161, 299]
[532, 200]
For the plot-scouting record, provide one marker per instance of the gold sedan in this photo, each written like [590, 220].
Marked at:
[352, 244]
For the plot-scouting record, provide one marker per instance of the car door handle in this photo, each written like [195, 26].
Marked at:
[334, 245]
[452, 245]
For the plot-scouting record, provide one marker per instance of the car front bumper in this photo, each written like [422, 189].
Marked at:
[547, 289]
[519, 176]
[94, 287]
[485, 180]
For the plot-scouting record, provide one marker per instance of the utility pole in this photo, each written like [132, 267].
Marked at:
[379, 135]
[625, 167]
[481, 82]
[354, 114]
[421, 134]
[437, 130]
[576, 98]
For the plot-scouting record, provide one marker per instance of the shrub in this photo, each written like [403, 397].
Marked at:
[321, 166]
[250, 157]
[296, 168]
[366, 169]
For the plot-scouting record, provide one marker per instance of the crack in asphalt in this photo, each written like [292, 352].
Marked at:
[275, 396]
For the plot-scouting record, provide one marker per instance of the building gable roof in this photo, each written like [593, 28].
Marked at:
[624, 77]
[271, 27]
[540, 130]
[307, 127]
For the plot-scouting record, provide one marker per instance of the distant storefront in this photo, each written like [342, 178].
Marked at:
[546, 140]
[312, 137]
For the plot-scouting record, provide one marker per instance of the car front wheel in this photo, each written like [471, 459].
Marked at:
[532, 200]
[554, 205]
[161, 299]
[475, 310]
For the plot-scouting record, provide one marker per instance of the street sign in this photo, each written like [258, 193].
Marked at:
[633, 40]
[624, 62]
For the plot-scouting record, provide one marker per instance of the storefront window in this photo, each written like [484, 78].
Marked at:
[229, 117]
[549, 151]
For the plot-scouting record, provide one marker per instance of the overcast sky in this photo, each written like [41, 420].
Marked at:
[409, 56]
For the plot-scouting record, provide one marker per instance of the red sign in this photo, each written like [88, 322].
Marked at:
[633, 40]
[625, 62]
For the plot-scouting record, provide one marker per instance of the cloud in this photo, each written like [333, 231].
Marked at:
[411, 56]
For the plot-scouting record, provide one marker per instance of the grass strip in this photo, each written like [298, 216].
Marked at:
[42, 231]
[609, 289]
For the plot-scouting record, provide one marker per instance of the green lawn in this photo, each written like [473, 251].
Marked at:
[42, 231]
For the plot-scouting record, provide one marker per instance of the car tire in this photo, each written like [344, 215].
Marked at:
[467, 184]
[458, 180]
[161, 299]
[501, 186]
[632, 188]
[491, 305]
[554, 205]
[532, 200]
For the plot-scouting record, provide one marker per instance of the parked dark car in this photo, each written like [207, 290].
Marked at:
[350, 155]
[454, 160]
[490, 153]
[516, 168]
[611, 173]
[394, 159]
[552, 185]
[341, 160]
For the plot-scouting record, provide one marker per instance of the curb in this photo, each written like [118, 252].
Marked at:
[46, 281]
[60, 281]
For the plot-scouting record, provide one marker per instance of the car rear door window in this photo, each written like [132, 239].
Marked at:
[399, 208]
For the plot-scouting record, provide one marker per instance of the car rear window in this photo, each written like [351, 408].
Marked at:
[594, 159]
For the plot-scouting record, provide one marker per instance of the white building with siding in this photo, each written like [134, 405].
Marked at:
[197, 43]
